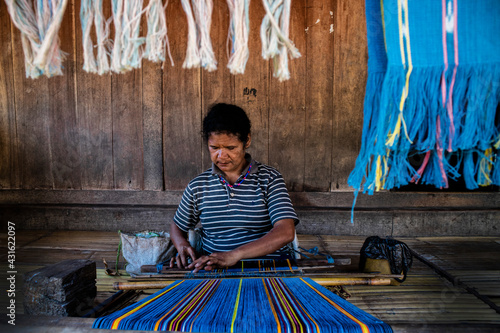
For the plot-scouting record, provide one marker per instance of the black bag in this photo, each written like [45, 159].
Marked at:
[397, 253]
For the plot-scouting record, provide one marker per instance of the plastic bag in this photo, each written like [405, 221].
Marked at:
[397, 253]
[145, 248]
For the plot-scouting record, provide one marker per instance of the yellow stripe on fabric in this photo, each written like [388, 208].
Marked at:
[289, 265]
[272, 307]
[186, 310]
[236, 306]
[383, 22]
[201, 309]
[378, 175]
[404, 31]
[363, 326]
[157, 325]
[284, 300]
[485, 167]
[497, 144]
[307, 314]
[116, 322]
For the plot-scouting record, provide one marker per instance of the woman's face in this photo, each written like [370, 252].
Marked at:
[227, 152]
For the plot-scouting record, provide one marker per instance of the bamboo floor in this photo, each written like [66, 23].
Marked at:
[453, 285]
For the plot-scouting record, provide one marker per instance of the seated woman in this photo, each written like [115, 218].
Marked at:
[243, 206]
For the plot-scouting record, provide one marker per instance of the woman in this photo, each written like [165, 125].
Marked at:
[243, 205]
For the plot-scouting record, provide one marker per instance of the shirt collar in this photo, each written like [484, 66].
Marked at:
[248, 157]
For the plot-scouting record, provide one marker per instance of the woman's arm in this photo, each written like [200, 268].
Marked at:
[282, 233]
[184, 249]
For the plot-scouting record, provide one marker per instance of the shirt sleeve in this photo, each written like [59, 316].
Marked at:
[186, 216]
[278, 201]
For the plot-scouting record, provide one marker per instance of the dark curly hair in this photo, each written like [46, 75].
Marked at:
[226, 118]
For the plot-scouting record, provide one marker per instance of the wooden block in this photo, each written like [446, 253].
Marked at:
[67, 288]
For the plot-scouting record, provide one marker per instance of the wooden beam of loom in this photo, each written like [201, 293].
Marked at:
[330, 281]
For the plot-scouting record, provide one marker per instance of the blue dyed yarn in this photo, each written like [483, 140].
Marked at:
[243, 305]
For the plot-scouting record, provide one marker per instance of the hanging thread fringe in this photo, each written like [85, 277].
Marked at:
[239, 28]
[274, 37]
[91, 12]
[39, 23]
[199, 47]
[441, 111]
[157, 39]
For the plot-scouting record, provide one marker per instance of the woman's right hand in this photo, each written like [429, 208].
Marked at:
[184, 252]
[184, 249]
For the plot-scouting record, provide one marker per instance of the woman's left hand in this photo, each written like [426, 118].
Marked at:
[215, 260]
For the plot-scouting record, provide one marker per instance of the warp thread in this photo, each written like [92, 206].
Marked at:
[244, 305]
[39, 23]
[274, 37]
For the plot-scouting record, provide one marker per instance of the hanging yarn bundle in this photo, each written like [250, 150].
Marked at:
[91, 12]
[127, 49]
[39, 23]
[239, 28]
[199, 49]
[274, 36]
[156, 39]
[433, 92]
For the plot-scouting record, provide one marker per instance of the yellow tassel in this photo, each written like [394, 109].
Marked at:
[485, 166]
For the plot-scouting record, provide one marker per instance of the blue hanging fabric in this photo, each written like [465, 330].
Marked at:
[433, 89]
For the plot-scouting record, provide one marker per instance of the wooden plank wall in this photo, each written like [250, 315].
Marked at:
[141, 130]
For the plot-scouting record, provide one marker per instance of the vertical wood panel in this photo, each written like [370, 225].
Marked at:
[252, 88]
[7, 106]
[65, 156]
[142, 130]
[349, 88]
[128, 150]
[217, 86]
[287, 109]
[319, 91]
[32, 123]
[93, 105]
[182, 108]
[152, 84]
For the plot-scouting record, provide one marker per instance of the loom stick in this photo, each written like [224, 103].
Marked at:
[302, 265]
[175, 270]
[330, 281]
[152, 277]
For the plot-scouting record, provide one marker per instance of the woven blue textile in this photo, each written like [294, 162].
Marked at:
[244, 305]
[432, 94]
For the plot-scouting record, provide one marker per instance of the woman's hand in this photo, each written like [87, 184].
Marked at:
[182, 257]
[215, 260]
[184, 249]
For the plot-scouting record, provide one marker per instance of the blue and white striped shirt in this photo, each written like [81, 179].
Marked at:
[231, 217]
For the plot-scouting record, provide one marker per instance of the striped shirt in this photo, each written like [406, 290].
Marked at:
[231, 217]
